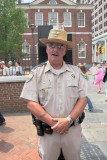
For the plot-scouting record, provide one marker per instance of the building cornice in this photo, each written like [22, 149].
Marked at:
[79, 32]
[99, 37]
[29, 34]
[84, 7]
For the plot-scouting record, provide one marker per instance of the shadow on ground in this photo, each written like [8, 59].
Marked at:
[5, 129]
[5, 146]
[95, 111]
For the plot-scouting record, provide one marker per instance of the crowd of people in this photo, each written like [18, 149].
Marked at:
[99, 75]
[11, 70]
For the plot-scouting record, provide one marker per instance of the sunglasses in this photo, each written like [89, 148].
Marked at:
[53, 45]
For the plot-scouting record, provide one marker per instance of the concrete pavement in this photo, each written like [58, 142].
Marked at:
[95, 126]
[18, 138]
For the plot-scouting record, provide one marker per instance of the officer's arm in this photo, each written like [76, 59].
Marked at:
[40, 113]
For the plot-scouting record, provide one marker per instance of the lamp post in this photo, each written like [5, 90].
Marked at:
[32, 26]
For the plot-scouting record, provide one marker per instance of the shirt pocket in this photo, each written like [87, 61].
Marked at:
[44, 93]
[72, 88]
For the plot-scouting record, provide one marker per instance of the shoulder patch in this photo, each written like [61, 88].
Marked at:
[83, 75]
[30, 76]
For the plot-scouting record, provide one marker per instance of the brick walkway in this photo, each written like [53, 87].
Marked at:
[18, 140]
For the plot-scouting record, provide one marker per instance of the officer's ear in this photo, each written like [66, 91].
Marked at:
[66, 50]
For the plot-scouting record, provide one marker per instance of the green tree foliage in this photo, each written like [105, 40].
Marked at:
[13, 23]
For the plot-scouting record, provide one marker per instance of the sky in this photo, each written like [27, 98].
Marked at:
[26, 1]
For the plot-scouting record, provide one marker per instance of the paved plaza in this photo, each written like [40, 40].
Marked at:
[18, 138]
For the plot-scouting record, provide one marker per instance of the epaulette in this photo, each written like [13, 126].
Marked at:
[39, 65]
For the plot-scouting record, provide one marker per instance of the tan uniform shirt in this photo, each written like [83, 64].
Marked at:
[57, 94]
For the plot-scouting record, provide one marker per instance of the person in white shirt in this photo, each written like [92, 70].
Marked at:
[5, 70]
[12, 71]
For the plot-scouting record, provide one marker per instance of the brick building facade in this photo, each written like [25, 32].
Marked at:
[73, 17]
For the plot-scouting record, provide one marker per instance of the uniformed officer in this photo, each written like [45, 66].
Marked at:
[56, 94]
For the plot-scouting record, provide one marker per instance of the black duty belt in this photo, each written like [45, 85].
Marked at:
[47, 129]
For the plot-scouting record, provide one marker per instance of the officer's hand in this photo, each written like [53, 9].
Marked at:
[62, 125]
[54, 122]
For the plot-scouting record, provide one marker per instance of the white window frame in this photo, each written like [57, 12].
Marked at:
[27, 23]
[50, 19]
[82, 49]
[38, 19]
[81, 20]
[24, 50]
[67, 17]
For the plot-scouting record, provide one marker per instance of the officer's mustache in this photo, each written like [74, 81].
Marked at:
[55, 53]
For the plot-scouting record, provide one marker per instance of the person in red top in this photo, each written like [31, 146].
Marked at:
[99, 78]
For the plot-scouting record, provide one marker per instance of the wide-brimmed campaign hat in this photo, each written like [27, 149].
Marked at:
[57, 36]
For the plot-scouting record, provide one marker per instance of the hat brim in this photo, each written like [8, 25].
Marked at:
[45, 41]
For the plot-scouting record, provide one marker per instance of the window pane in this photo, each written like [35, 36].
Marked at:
[53, 18]
[26, 15]
[82, 52]
[67, 19]
[52, 2]
[81, 19]
[25, 48]
[38, 19]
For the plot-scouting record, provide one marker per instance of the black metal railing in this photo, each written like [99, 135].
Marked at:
[27, 62]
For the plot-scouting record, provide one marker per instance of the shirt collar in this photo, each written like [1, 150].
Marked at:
[63, 68]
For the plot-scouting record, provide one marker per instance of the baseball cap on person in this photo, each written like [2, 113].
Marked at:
[2, 62]
[10, 62]
[57, 36]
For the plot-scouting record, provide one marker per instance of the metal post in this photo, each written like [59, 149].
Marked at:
[32, 26]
